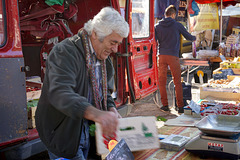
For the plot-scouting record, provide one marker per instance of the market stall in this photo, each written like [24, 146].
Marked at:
[209, 31]
[212, 135]
[218, 107]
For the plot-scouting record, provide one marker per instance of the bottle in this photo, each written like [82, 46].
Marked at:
[194, 49]
[238, 50]
[221, 48]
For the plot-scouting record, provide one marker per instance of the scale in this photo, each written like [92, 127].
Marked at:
[219, 138]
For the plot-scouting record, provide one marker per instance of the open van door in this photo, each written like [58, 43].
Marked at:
[142, 62]
[13, 111]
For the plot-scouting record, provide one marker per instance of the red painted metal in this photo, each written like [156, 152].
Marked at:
[214, 1]
[225, 2]
[144, 77]
[86, 10]
[32, 134]
[13, 46]
[141, 70]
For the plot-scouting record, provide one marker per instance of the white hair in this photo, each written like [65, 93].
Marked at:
[108, 20]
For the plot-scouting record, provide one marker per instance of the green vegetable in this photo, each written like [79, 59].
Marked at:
[32, 103]
[161, 119]
[92, 129]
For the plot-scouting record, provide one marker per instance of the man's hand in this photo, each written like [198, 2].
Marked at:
[113, 109]
[109, 122]
[107, 119]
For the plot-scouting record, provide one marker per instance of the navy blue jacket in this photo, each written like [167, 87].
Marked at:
[167, 33]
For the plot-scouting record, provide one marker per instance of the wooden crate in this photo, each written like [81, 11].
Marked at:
[231, 77]
[33, 95]
[31, 123]
[31, 117]
[31, 112]
[218, 95]
[218, 59]
[236, 70]
[231, 65]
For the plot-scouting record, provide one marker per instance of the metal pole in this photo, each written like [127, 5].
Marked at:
[221, 21]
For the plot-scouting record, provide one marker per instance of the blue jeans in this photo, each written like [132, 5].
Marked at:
[83, 146]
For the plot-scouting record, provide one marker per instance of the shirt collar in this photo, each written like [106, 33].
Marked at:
[93, 52]
[91, 48]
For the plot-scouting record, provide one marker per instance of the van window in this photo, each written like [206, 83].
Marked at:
[140, 18]
[2, 23]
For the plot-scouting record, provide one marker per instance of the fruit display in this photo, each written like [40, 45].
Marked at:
[29, 89]
[207, 108]
[223, 83]
[226, 65]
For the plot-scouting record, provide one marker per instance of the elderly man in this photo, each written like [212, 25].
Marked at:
[75, 88]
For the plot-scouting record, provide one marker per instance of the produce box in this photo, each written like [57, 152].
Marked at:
[35, 94]
[222, 73]
[31, 117]
[231, 77]
[215, 108]
[139, 133]
[219, 94]
[235, 66]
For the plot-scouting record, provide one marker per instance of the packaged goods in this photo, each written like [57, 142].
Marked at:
[174, 142]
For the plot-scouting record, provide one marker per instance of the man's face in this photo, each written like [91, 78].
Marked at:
[109, 45]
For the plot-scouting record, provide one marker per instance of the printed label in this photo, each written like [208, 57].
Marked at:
[215, 147]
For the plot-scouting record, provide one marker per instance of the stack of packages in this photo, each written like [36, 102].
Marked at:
[231, 48]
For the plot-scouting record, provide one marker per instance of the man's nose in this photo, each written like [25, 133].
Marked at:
[115, 48]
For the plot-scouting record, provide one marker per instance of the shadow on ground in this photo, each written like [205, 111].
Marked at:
[150, 106]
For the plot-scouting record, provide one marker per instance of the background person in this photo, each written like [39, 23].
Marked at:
[167, 33]
[76, 87]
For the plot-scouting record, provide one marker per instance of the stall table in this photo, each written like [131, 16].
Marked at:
[192, 63]
[218, 59]
[163, 154]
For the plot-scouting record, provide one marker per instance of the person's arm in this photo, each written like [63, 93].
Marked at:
[156, 34]
[62, 72]
[185, 33]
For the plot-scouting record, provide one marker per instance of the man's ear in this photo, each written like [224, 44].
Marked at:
[94, 35]
[173, 16]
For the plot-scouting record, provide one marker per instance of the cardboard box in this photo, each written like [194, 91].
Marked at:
[231, 77]
[217, 94]
[31, 117]
[187, 111]
[33, 95]
[139, 133]
[31, 112]
[31, 123]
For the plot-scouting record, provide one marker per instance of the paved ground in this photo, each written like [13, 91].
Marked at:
[150, 106]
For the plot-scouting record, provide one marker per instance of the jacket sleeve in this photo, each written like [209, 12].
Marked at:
[64, 69]
[110, 85]
[185, 33]
[156, 33]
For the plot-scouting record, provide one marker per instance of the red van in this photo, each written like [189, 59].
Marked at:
[28, 31]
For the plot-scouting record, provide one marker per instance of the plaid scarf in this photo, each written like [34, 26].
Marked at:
[91, 72]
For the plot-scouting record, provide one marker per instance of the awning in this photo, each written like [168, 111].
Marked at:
[225, 2]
